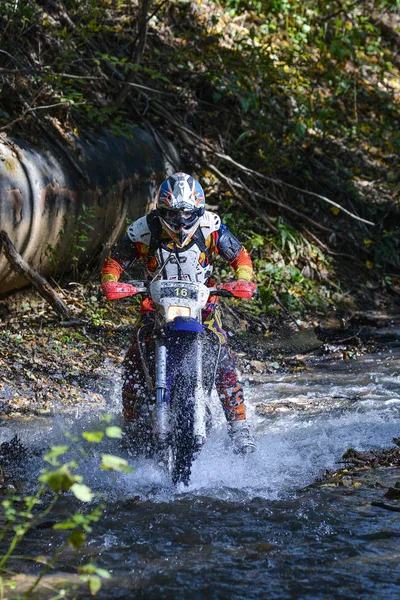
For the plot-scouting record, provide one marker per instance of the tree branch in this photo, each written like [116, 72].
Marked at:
[137, 55]
[249, 171]
[40, 283]
[293, 187]
[85, 78]
[252, 208]
[28, 109]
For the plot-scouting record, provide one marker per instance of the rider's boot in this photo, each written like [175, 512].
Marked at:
[235, 411]
[242, 437]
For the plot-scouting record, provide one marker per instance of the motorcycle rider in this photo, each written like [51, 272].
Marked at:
[179, 237]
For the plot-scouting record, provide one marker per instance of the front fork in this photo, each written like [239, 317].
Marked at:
[163, 422]
[199, 422]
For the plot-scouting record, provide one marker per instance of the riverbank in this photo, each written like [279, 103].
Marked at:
[47, 365]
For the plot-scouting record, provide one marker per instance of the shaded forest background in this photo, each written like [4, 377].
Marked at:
[288, 113]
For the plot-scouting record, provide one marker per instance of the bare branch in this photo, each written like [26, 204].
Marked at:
[137, 54]
[148, 19]
[11, 56]
[252, 208]
[85, 78]
[40, 283]
[230, 160]
[245, 169]
[28, 108]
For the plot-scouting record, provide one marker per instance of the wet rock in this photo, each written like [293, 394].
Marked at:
[258, 366]
[48, 585]
[303, 403]
[12, 452]
[374, 319]
[339, 336]
[393, 493]
[386, 506]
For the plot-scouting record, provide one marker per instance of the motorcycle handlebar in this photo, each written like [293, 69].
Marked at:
[219, 290]
[143, 286]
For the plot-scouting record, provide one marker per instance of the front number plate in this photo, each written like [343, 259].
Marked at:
[177, 291]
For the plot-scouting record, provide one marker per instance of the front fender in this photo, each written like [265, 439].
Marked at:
[185, 324]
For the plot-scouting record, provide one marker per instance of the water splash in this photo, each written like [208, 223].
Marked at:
[295, 447]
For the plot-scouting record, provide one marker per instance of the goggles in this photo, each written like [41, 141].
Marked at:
[179, 218]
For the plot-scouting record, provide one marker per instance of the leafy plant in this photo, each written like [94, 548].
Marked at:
[22, 513]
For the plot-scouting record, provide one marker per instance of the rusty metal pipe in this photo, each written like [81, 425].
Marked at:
[54, 200]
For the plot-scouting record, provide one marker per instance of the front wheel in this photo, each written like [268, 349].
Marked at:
[183, 446]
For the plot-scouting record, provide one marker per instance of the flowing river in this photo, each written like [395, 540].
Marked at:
[250, 527]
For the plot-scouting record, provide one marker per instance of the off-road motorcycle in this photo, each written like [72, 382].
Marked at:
[180, 358]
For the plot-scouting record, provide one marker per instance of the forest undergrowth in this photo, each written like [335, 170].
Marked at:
[287, 111]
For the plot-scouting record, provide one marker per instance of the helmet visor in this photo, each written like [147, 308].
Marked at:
[179, 218]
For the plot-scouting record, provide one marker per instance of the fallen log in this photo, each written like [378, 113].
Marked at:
[43, 287]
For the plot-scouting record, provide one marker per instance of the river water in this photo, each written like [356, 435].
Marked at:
[253, 527]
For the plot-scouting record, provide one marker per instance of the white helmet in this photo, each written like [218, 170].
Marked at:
[180, 204]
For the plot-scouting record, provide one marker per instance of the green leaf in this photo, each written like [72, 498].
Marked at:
[87, 569]
[82, 492]
[79, 519]
[244, 103]
[94, 584]
[114, 432]
[301, 129]
[91, 569]
[65, 525]
[110, 462]
[241, 137]
[107, 418]
[103, 573]
[11, 585]
[60, 480]
[20, 530]
[216, 97]
[257, 240]
[93, 436]
[55, 452]
[76, 539]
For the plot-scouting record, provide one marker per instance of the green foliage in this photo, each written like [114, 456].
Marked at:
[110, 462]
[21, 12]
[287, 265]
[306, 91]
[21, 513]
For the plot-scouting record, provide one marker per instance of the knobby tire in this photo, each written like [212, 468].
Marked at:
[183, 435]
